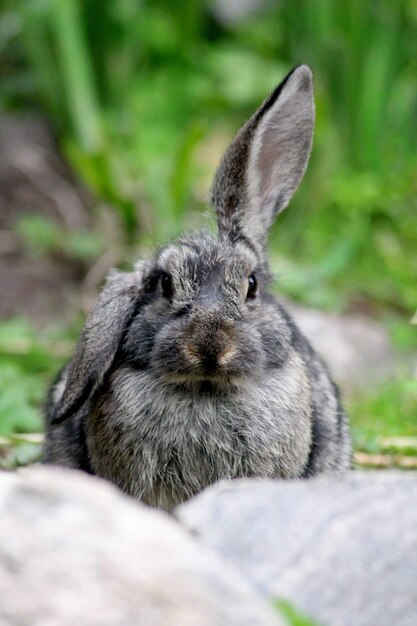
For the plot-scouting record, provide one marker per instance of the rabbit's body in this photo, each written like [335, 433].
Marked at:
[188, 371]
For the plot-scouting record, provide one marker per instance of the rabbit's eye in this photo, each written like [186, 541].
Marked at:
[166, 284]
[252, 286]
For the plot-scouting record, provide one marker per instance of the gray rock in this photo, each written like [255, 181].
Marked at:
[356, 349]
[74, 550]
[344, 550]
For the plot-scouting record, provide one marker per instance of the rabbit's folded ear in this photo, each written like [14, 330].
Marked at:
[266, 161]
[100, 339]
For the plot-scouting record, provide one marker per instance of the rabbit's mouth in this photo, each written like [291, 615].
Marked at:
[205, 383]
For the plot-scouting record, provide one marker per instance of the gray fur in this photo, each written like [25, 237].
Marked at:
[182, 376]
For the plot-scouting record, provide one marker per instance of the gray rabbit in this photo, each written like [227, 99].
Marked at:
[188, 370]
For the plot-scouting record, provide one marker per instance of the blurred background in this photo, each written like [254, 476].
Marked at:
[113, 117]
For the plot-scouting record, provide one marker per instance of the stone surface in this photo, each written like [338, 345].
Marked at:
[356, 349]
[74, 550]
[344, 550]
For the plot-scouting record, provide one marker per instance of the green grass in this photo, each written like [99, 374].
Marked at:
[387, 411]
[29, 361]
[292, 615]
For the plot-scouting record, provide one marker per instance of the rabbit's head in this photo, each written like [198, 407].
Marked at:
[200, 311]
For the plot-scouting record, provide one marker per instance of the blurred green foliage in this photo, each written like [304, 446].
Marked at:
[389, 410]
[43, 236]
[27, 358]
[140, 91]
[146, 95]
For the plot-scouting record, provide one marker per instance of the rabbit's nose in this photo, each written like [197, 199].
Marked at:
[209, 350]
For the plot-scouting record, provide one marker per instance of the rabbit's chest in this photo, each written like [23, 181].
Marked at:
[163, 444]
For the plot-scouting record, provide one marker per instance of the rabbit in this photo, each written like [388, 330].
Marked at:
[188, 370]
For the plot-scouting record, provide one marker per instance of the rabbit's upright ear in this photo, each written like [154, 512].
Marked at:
[266, 161]
[100, 339]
